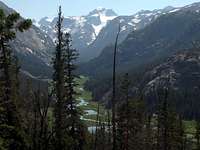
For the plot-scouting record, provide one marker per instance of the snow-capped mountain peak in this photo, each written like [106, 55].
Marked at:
[101, 16]
[169, 8]
[84, 29]
[94, 31]
[102, 11]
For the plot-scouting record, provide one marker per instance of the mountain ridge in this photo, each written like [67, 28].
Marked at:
[99, 24]
[33, 48]
[84, 29]
[168, 34]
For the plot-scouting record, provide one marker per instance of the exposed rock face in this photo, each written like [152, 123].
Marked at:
[84, 29]
[181, 74]
[95, 31]
[162, 38]
[33, 48]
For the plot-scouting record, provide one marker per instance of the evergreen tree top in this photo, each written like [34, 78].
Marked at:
[10, 24]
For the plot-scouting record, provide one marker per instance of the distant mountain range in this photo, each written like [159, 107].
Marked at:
[171, 34]
[145, 37]
[84, 29]
[163, 37]
[95, 31]
[147, 40]
[128, 24]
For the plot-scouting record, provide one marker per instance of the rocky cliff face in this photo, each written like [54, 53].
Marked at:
[181, 75]
[34, 49]
[162, 38]
[95, 31]
[84, 29]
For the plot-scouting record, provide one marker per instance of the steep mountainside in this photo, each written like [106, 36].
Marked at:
[128, 24]
[95, 31]
[84, 29]
[34, 49]
[181, 73]
[165, 36]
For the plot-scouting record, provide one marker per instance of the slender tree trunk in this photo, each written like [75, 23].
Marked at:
[114, 92]
[109, 130]
[34, 127]
[96, 131]
[127, 122]
[165, 138]
[148, 140]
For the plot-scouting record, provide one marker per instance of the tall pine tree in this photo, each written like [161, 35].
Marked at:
[69, 131]
[59, 91]
[10, 124]
[130, 120]
[170, 131]
[74, 124]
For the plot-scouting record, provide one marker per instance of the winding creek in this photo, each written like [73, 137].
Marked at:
[87, 106]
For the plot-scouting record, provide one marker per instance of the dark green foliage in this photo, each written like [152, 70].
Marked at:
[102, 134]
[149, 142]
[177, 31]
[11, 132]
[25, 25]
[123, 117]
[69, 130]
[197, 136]
[170, 131]
[130, 119]
[41, 133]
[130, 125]
[74, 124]
[58, 78]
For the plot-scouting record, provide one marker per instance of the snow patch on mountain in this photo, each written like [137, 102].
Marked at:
[98, 28]
[49, 19]
[94, 31]
[136, 20]
[104, 20]
[83, 29]
[29, 50]
[174, 10]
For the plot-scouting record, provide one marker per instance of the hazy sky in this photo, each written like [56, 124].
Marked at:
[40, 8]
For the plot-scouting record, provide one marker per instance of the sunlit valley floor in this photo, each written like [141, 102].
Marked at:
[88, 107]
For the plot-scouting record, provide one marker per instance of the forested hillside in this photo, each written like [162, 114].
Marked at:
[146, 48]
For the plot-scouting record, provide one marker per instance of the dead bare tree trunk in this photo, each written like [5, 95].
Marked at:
[114, 91]
[96, 130]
